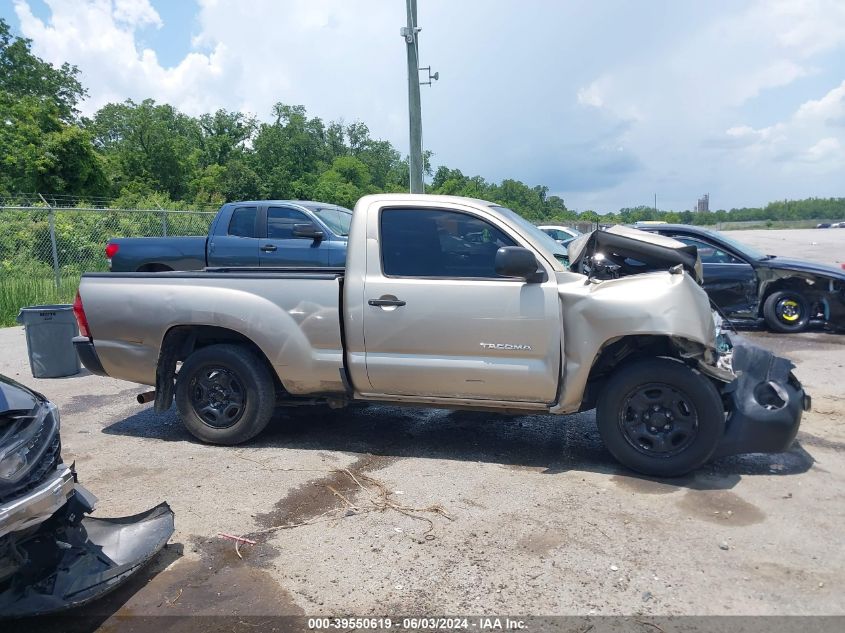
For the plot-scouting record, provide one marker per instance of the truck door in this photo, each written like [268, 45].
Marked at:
[438, 320]
[281, 247]
[234, 242]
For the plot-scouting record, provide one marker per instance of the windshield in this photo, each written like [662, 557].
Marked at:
[546, 241]
[337, 219]
[740, 247]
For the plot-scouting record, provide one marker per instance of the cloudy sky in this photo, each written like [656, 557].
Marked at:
[605, 102]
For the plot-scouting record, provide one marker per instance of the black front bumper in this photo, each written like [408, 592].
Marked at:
[71, 559]
[764, 402]
[84, 347]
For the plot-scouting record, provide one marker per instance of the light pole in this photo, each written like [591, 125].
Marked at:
[411, 35]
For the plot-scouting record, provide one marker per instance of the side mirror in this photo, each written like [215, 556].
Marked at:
[516, 261]
[308, 230]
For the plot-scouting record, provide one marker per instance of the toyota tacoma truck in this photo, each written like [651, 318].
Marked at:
[256, 233]
[457, 303]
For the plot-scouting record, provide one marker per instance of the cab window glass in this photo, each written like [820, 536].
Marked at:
[280, 221]
[242, 223]
[436, 243]
[708, 253]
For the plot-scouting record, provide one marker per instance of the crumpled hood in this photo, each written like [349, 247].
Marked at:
[784, 263]
[634, 251]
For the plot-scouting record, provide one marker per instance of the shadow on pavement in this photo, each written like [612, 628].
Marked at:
[550, 444]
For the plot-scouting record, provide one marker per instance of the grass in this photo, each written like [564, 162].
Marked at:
[18, 291]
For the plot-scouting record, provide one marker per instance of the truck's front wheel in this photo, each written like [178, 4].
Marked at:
[225, 395]
[660, 417]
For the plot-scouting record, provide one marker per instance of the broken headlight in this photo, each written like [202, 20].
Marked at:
[24, 441]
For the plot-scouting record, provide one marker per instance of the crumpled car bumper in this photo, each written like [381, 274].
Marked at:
[71, 559]
[39, 504]
[764, 402]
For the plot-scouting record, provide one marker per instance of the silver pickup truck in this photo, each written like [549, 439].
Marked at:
[458, 303]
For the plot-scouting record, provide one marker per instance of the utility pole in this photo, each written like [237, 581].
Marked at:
[655, 203]
[410, 33]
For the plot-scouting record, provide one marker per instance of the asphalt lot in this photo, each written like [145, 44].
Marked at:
[826, 246]
[424, 511]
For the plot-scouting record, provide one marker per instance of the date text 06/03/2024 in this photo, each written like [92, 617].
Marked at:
[483, 623]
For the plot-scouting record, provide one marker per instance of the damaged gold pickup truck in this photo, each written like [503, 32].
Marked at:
[457, 303]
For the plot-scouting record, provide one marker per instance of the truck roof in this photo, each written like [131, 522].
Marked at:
[429, 197]
[308, 204]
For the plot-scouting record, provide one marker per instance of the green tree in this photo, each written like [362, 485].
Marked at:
[224, 136]
[346, 181]
[289, 151]
[22, 74]
[148, 142]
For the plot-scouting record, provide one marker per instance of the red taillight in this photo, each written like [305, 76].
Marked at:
[81, 319]
[111, 249]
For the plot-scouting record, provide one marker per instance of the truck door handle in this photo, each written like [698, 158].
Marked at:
[386, 302]
[268, 248]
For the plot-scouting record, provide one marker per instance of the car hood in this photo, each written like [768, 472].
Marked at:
[15, 397]
[784, 263]
[634, 251]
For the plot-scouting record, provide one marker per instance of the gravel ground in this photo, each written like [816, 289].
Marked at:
[424, 511]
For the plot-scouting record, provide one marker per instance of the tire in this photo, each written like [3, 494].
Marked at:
[679, 436]
[786, 311]
[225, 394]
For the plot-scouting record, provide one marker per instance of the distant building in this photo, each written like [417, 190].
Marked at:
[703, 203]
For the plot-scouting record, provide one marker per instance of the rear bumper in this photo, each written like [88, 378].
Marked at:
[38, 504]
[88, 355]
[765, 402]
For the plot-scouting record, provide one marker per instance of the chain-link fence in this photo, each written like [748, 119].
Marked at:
[45, 247]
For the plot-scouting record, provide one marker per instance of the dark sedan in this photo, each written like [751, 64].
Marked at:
[749, 286]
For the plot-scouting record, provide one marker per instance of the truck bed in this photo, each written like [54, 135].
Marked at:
[178, 253]
[291, 314]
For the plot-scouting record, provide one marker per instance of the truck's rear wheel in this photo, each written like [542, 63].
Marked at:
[224, 394]
[660, 417]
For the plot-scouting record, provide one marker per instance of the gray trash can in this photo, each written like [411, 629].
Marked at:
[49, 340]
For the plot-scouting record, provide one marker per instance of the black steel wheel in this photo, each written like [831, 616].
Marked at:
[660, 417]
[218, 397]
[658, 420]
[786, 311]
[225, 394]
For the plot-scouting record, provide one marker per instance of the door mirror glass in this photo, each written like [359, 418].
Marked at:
[516, 261]
[308, 230]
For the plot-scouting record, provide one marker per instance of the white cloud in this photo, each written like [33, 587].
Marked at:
[99, 37]
[808, 27]
[136, 13]
[827, 149]
[591, 96]
[830, 109]
[810, 142]
[689, 95]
